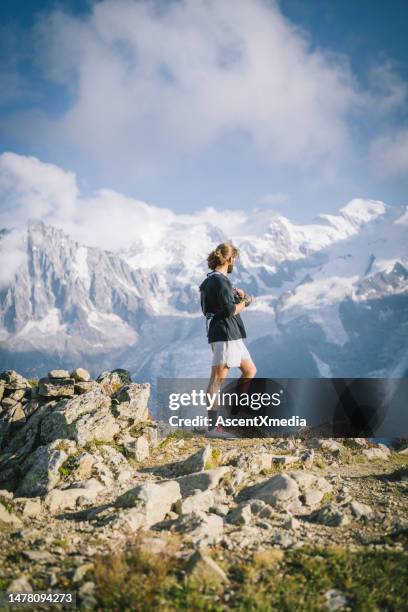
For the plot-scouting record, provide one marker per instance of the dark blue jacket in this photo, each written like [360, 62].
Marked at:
[219, 299]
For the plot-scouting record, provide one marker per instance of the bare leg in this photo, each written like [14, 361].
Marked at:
[248, 371]
[218, 375]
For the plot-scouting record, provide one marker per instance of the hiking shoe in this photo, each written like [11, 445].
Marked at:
[219, 432]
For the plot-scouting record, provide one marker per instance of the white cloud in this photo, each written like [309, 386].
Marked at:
[389, 154]
[149, 83]
[12, 255]
[273, 199]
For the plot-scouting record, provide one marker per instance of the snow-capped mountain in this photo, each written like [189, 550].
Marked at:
[331, 296]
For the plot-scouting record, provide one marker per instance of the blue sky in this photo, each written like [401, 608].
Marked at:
[294, 106]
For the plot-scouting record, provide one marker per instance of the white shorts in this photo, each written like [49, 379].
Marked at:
[229, 353]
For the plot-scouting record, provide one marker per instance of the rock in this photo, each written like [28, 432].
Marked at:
[404, 451]
[17, 415]
[312, 498]
[292, 489]
[20, 585]
[87, 595]
[335, 600]
[8, 403]
[116, 462]
[204, 459]
[8, 495]
[43, 470]
[137, 448]
[13, 380]
[220, 509]
[80, 375]
[56, 387]
[361, 511]
[201, 528]
[331, 515]
[261, 509]
[39, 556]
[63, 499]
[133, 399]
[17, 395]
[204, 481]
[307, 458]
[241, 515]
[84, 465]
[9, 517]
[200, 500]
[111, 382]
[152, 500]
[282, 539]
[280, 490]
[81, 571]
[29, 507]
[291, 523]
[58, 374]
[82, 387]
[2, 387]
[83, 418]
[31, 407]
[203, 569]
[377, 453]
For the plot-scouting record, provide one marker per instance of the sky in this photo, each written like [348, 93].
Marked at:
[293, 106]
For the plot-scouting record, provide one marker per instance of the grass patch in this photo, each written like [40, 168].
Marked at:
[137, 430]
[271, 580]
[92, 446]
[61, 543]
[33, 382]
[179, 434]
[69, 465]
[215, 459]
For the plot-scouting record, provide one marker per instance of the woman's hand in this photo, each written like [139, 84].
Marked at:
[241, 293]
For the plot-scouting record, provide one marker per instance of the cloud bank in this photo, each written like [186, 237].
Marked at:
[147, 81]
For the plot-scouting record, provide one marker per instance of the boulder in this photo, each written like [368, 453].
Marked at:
[111, 382]
[7, 516]
[204, 481]
[137, 448]
[203, 569]
[64, 499]
[133, 399]
[29, 507]
[201, 528]
[151, 500]
[291, 490]
[331, 515]
[13, 380]
[57, 374]
[83, 418]
[377, 453]
[80, 375]
[42, 470]
[48, 387]
[2, 387]
[204, 459]
[81, 387]
[241, 515]
[200, 500]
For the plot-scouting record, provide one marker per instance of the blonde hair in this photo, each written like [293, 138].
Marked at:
[221, 255]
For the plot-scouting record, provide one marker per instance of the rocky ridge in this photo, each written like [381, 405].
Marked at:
[85, 471]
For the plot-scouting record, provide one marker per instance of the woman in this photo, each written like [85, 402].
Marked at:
[222, 305]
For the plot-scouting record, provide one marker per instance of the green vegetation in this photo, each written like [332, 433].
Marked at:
[271, 580]
[178, 434]
[68, 466]
[33, 382]
[92, 446]
[215, 459]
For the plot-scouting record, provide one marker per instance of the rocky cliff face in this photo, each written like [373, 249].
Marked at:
[336, 289]
[86, 476]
